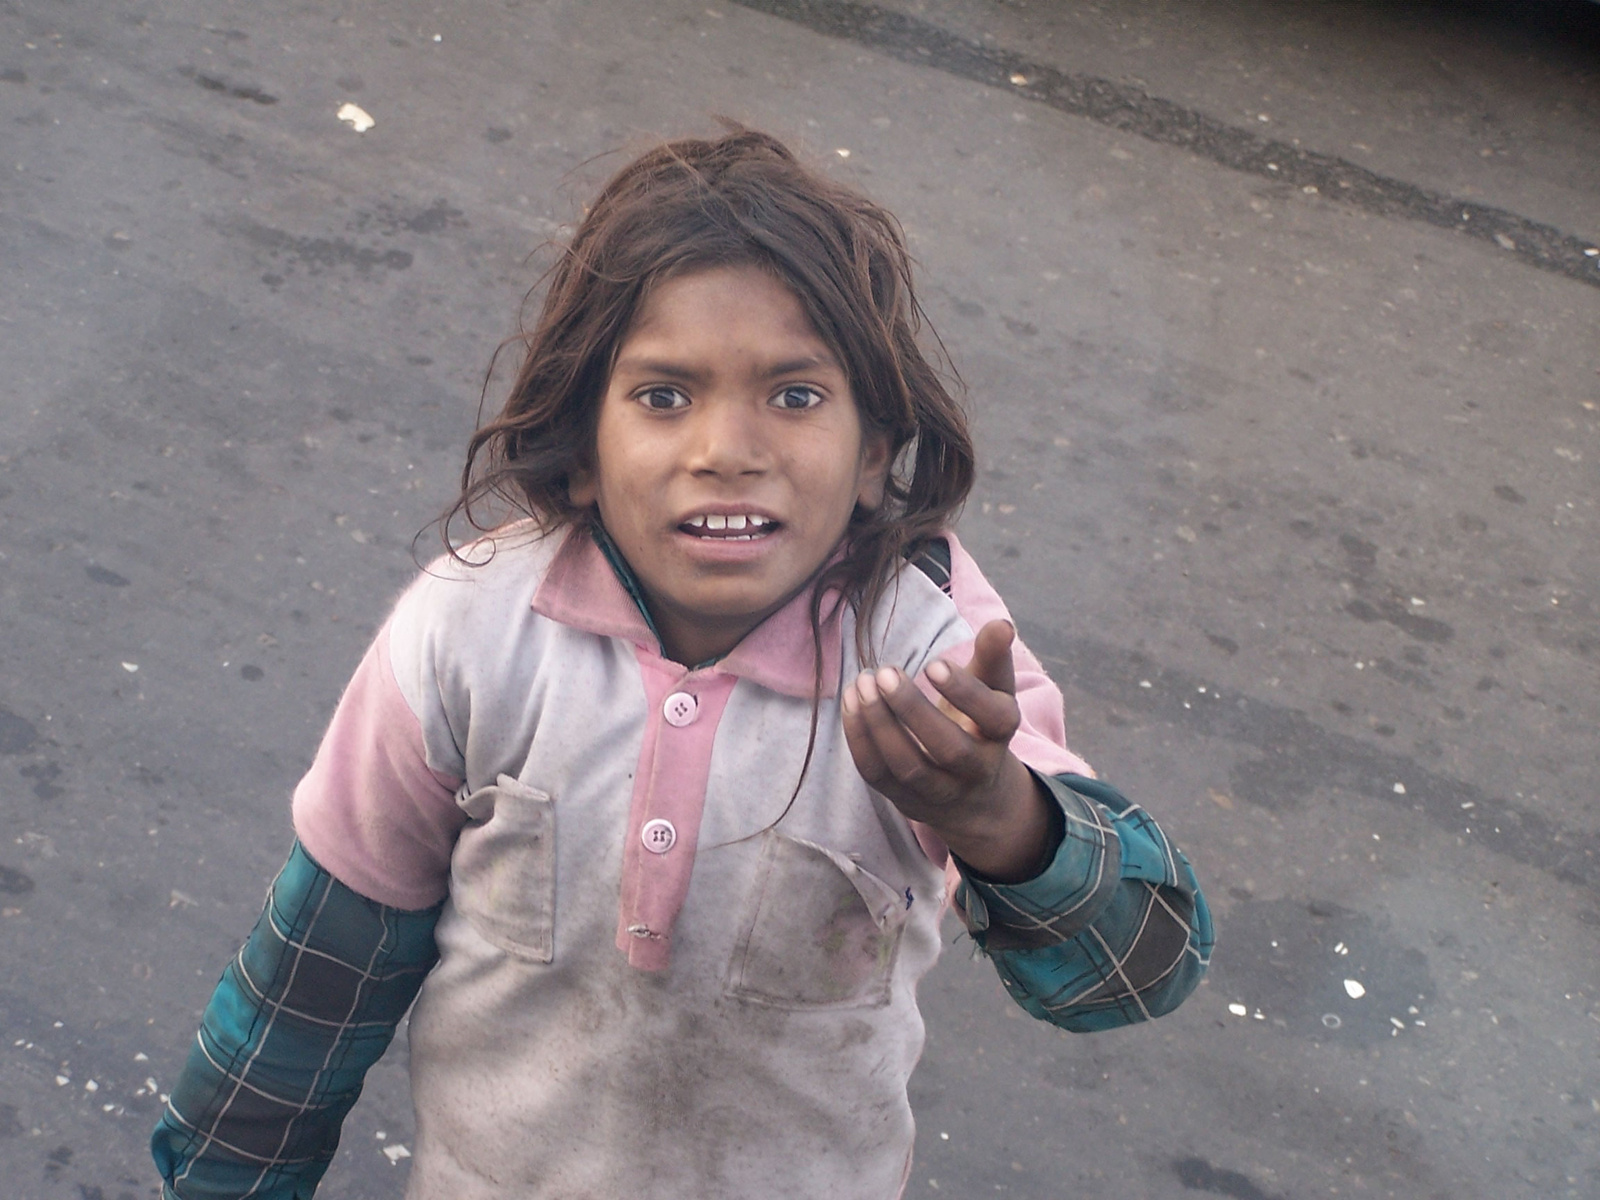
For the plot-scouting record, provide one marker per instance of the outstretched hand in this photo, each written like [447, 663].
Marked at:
[949, 764]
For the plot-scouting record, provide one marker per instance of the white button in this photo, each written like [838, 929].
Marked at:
[658, 836]
[680, 709]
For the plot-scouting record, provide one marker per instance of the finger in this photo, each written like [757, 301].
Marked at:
[991, 657]
[994, 714]
[869, 761]
[902, 755]
[945, 743]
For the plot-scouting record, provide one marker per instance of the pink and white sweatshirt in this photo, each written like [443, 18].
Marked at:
[648, 983]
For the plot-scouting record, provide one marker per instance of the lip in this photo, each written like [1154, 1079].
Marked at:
[712, 552]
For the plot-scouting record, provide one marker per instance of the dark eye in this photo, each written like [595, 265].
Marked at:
[662, 399]
[797, 396]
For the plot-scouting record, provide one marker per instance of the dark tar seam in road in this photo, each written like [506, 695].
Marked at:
[1298, 756]
[1132, 110]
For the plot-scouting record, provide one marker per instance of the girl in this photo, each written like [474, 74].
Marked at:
[659, 793]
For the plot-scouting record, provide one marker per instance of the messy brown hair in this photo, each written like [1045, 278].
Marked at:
[742, 199]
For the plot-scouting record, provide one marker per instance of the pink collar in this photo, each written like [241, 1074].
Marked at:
[582, 591]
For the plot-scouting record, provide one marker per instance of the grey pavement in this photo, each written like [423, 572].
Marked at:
[1281, 339]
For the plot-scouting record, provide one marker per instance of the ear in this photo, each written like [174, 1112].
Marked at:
[874, 475]
[582, 488]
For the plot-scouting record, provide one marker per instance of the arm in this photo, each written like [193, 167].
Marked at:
[341, 948]
[1091, 917]
[307, 1006]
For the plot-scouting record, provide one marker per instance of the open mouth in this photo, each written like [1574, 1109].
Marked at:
[729, 527]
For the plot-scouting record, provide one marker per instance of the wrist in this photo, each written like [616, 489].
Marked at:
[1014, 838]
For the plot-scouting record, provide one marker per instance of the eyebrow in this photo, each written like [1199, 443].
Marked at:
[793, 366]
[667, 368]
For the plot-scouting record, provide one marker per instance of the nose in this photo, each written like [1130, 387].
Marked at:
[729, 439]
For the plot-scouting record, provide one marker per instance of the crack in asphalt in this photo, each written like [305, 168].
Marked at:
[1298, 756]
[1132, 110]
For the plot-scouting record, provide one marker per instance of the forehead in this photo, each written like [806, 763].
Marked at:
[727, 308]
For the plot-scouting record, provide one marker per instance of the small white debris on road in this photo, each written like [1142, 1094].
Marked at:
[357, 117]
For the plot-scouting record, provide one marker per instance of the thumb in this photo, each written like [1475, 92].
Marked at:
[991, 657]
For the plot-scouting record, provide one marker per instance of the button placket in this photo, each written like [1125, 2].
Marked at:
[669, 795]
[680, 710]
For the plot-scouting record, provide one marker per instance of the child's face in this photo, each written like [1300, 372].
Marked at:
[729, 455]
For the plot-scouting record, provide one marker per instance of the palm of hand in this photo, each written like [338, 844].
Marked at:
[944, 761]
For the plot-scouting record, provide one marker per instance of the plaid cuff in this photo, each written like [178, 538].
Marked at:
[307, 1006]
[1114, 931]
[1062, 900]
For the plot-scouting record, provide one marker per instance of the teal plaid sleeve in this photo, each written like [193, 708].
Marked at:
[301, 1013]
[1112, 932]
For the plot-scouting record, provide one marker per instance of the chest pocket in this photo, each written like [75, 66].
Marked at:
[819, 931]
[503, 872]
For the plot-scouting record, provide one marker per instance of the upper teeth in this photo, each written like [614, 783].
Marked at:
[734, 521]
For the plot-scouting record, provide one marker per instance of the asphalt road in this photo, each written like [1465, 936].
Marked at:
[1280, 329]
